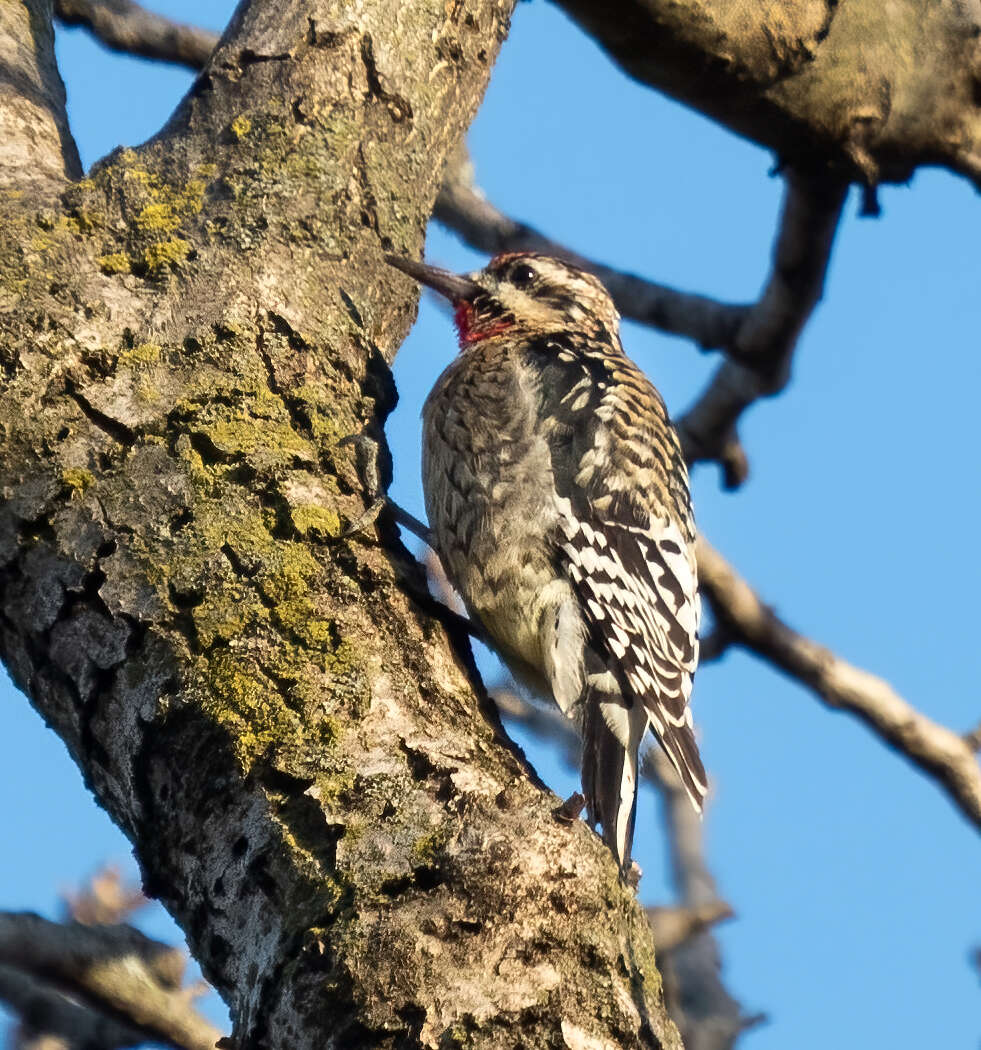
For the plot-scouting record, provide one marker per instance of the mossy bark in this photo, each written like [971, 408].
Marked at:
[312, 779]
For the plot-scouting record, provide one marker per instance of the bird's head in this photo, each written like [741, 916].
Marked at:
[519, 293]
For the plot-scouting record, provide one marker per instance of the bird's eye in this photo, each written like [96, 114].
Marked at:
[522, 274]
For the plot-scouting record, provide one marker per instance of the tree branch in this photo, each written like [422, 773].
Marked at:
[707, 1015]
[936, 751]
[765, 340]
[115, 970]
[462, 208]
[36, 146]
[45, 1013]
[126, 26]
[758, 339]
[870, 91]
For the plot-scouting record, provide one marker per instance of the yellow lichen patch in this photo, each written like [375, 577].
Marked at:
[321, 411]
[143, 354]
[77, 480]
[158, 217]
[225, 614]
[165, 253]
[251, 436]
[244, 701]
[426, 849]
[161, 209]
[310, 518]
[241, 126]
[115, 262]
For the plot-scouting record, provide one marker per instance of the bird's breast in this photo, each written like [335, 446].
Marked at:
[487, 480]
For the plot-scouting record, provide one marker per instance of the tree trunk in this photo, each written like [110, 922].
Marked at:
[312, 778]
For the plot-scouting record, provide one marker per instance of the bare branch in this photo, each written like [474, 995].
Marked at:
[116, 970]
[708, 1016]
[791, 77]
[763, 348]
[462, 208]
[672, 927]
[125, 26]
[942, 754]
[105, 900]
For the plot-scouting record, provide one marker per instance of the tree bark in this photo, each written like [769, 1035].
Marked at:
[868, 89]
[313, 780]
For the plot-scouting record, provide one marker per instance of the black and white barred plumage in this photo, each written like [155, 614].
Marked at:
[559, 501]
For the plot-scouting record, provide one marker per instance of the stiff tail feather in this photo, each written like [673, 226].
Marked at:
[612, 732]
[679, 745]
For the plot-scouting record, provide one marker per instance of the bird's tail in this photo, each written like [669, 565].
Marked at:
[612, 731]
[679, 745]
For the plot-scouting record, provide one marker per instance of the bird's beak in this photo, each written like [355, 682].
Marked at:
[455, 287]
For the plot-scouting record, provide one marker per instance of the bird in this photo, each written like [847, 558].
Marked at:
[559, 505]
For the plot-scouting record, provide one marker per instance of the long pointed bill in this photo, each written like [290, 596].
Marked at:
[456, 288]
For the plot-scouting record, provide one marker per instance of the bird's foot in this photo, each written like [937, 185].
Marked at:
[366, 450]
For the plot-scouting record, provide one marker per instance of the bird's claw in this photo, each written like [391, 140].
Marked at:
[366, 451]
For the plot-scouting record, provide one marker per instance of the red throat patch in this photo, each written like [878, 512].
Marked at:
[463, 319]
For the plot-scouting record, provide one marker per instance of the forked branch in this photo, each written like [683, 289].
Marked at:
[763, 347]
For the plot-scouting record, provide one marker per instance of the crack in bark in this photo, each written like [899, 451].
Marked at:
[119, 432]
[399, 108]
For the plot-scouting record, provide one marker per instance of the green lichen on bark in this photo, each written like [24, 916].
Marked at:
[298, 753]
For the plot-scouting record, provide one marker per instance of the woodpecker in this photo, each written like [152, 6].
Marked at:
[559, 505]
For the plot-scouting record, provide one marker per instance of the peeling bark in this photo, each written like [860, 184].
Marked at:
[313, 780]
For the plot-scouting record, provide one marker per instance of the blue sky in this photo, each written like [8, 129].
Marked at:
[854, 880]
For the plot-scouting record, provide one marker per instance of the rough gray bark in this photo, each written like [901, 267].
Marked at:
[313, 782]
[870, 89]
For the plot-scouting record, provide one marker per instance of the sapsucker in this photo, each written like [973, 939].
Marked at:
[559, 504]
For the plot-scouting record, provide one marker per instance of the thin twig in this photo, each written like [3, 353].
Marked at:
[672, 927]
[126, 26]
[943, 755]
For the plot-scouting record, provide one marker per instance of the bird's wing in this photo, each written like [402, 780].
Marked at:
[625, 541]
[637, 591]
